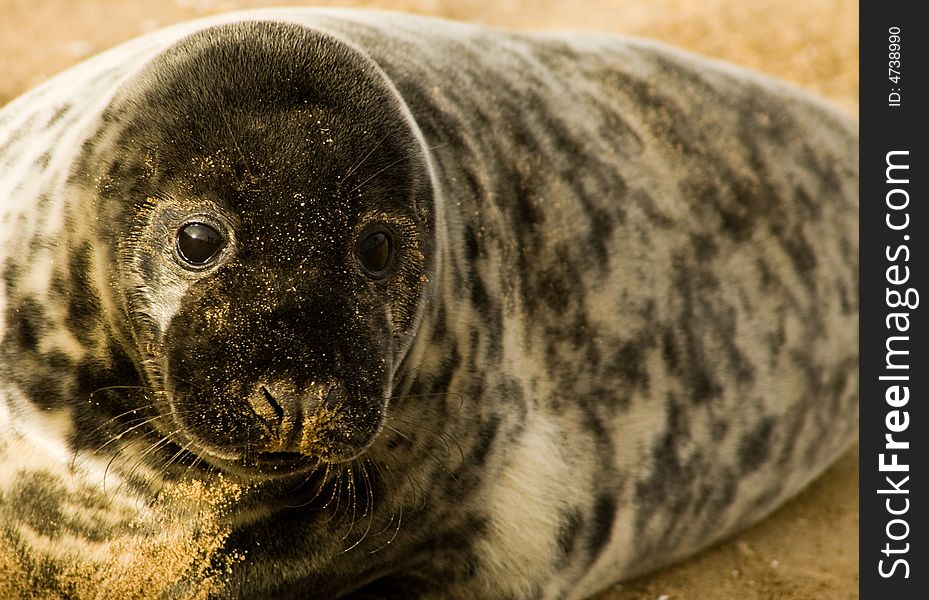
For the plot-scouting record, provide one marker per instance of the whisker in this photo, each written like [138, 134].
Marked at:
[388, 166]
[364, 158]
[369, 507]
[379, 171]
[319, 488]
[444, 436]
[238, 149]
[336, 495]
[353, 495]
[429, 452]
[394, 536]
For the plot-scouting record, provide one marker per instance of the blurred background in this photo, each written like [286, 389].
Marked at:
[809, 548]
[812, 42]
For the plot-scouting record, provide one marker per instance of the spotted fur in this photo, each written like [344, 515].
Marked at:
[622, 323]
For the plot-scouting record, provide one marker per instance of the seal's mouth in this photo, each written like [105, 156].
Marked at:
[280, 459]
[263, 465]
[276, 430]
[274, 464]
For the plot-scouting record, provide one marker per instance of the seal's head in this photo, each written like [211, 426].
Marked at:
[268, 202]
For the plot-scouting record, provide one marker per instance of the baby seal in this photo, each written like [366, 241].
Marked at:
[458, 312]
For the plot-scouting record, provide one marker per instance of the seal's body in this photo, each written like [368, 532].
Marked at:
[461, 313]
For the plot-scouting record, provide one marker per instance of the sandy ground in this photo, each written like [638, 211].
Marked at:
[809, 548]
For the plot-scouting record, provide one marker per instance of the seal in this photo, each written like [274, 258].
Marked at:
[341, 303]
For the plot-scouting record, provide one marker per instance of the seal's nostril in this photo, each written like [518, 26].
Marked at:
[267, 408]
[334, 397]
[275, 405]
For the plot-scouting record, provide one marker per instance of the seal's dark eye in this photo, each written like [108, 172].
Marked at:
[375, 253]
[198, 244]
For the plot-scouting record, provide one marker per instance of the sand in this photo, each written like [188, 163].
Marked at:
[809, 548]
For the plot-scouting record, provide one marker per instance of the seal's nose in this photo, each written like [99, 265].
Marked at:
[289, 415]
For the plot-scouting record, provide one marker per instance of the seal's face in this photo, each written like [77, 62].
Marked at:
[276, 252]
